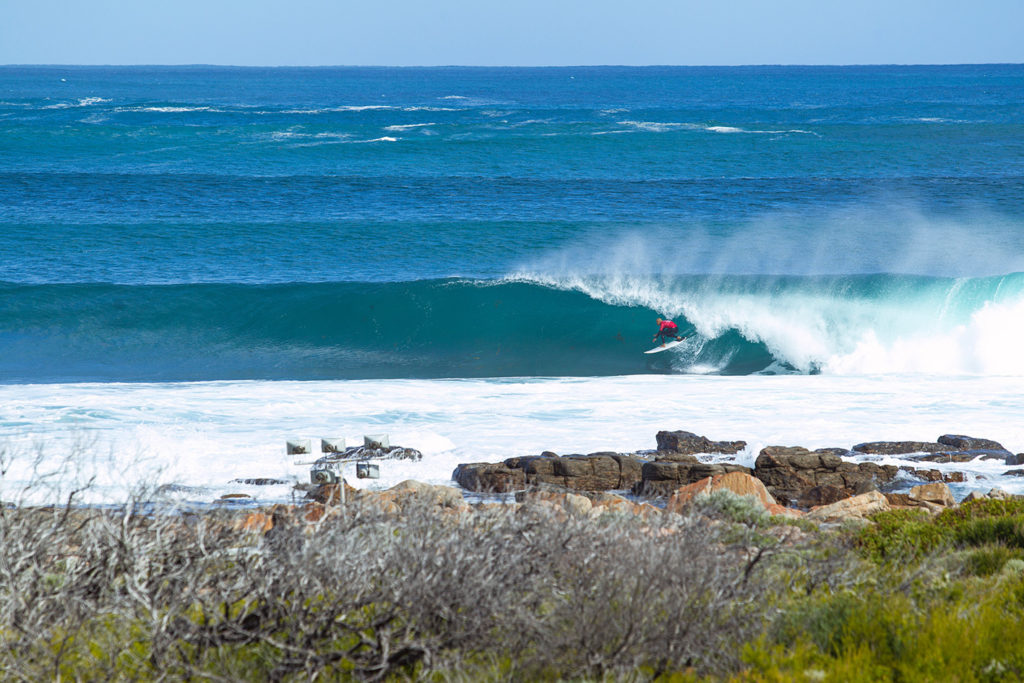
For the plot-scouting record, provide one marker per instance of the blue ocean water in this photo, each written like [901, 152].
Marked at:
[211, 223]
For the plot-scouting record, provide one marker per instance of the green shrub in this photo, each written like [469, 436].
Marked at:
[989, 560]
[981, 508]
[1007, 531]
[881, 631]
[898, 535]
[725, 504]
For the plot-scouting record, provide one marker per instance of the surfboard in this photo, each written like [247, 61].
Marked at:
[666, 347]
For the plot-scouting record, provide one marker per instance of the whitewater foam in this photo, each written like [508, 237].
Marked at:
[408, 126]
[81, 102]
[202, 436]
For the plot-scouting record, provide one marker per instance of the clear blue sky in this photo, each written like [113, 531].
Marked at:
[517, 32]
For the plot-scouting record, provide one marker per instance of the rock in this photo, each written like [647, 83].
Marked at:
[999, 494]
[662, 478]
[330, 494]
[1013, 473]
[740, 483]
[949, 448]
[947, 456]
[670, 456]
[937, 493]
[974, 495]
[315, 512]
[969, 443]
[1014, 460]
[691, 444]
[572, 503]
[433, 494]
[933, 508]
[743, 484]
[925, 475]
[791, 472]
[954, 477]
[782, 510]
[859, 506]
[685, 495]
[254, 522]
[489, 477]
[899, 447]
[589, 472]
[260, 481]
[593, 472]
[994, 455]
[821, 495]
[902, 500]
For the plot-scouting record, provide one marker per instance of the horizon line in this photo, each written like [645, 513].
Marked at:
[503, 66]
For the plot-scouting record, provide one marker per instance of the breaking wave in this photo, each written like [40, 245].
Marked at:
[521, 326]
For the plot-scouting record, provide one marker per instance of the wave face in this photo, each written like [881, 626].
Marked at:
[527, 326]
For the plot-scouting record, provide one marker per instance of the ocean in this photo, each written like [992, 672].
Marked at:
[200, 263]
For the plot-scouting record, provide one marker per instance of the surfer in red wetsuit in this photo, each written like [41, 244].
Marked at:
[666, 328]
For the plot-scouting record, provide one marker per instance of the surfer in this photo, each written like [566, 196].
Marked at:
[666, 328]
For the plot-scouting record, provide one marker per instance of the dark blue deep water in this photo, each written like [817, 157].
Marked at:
[166, 223]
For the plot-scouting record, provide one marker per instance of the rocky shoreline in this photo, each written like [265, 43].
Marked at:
[793, 479]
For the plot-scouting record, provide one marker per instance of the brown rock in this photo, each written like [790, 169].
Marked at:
[937, 493]
[670, 456]
[792, 473]
[743, 484]
[589, 472]
[572, 503]
[330, 494]
[948, 456]
[489, 477]
[970, 443]
[856, 507]
[543, 465]
[900, 500]
[660, 478]
[630, 470]
[690, 443]
[685, 495]
[776, 509]
[257, 522]
[821, 495]
[900, 447]
[740, 483]
[928, 475]
[430, 494]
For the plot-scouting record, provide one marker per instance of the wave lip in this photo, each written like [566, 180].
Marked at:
[853, 325]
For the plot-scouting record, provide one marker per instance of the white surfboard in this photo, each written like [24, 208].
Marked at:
[666, 346]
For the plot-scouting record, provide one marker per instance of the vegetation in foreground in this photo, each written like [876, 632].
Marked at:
[526, 592]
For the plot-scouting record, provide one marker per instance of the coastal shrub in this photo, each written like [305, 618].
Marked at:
[923, 619]
[903, 535]
[981, 508]
[884, 634]
[990, 560]
[900, 535]
[502, 593]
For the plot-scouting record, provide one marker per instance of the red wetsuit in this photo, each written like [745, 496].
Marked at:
[667, 328]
